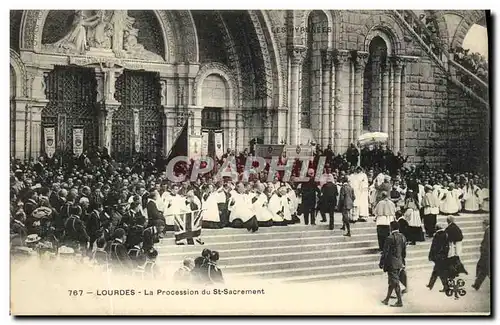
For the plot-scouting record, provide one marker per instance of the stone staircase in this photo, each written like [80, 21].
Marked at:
[300, 253]
[439, 53]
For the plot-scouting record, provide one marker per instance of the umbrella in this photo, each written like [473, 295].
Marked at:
[42, 212]
[372, 137]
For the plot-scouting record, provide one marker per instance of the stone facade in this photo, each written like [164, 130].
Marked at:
[266, 71]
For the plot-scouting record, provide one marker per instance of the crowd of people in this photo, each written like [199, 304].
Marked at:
[112, 212]
[474, 62]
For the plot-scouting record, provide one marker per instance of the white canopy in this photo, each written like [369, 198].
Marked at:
[372, 137]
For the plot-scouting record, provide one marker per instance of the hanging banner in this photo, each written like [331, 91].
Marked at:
[204, 142]
[269, 150]
[299, 151]
[77, 141]
[219, 144]
[50, 141]
[194, 147]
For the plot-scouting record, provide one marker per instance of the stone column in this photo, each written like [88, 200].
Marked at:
[281, 134]
[34, 107]
[341, 130]
[360, 61]
[397, 65]
[268, 116]
[402, 134]
[385, 96]
[326, 70]
[106, 77]
[297, 56]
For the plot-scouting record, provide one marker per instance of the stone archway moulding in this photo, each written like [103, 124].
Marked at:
[226, 75]
[17, 64]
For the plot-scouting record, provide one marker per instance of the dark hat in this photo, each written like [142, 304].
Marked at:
[152, 253]
[119, 233]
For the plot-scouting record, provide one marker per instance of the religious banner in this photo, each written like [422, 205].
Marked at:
[204, 142]
[194, 147]
[78, 140]
[268, 151]
[219, 143]
[299, 151]
[50, 141]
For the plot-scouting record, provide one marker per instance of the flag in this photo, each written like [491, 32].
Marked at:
[219, 144]
[180, 146]
[204, 142]
[50, 142]
[77, 140]
[187, 228]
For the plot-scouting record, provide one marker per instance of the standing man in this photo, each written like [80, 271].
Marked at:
[329, 198]
[346, 201]
[309, 192]
[392, 261]
[483, 265]
[385, 213]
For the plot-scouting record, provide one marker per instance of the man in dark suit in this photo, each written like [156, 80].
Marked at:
[329, 198]
[438, 254]
[392, 261]
[118, 252]
[309, 192]
[483, 265]
[346, 201]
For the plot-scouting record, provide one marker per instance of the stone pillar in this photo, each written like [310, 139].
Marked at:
[297, 56]
[36, 103]
[106, 77]
[268, 116]
[402, 134]
[397, 65]
[385, 96]
[281, 135]
[341, 131]
[326, 70]
[351, 102]
[360, 61]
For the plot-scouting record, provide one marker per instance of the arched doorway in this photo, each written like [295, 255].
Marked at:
[373, 85]
[71, 92]
[213, 117]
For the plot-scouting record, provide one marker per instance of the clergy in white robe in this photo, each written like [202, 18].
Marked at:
[294, 202]
[173, 206]
[430, 203]
[277, 208]
[450, 201]
[471, 197]
[484, 204]
[241, 214]
[209, 202]
[287, 215]
[359, 183]
[259, 203]
[385, 213]
[412, 215]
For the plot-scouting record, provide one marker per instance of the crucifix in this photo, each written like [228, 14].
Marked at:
[110, 73]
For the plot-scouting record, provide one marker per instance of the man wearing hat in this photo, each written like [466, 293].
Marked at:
[392, 261]
[75, 233]
[439, 255]
[483, 265]
[346, 201]
[118, 252]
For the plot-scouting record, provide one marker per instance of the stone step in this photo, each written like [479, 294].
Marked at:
[338, 223]
[256, 241]
[420, 267]
[230, 258]
[334, 269]
[243, 235]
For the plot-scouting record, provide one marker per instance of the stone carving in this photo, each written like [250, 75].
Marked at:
[104, 30]
[360, 59]
[110, 73]
[340, 57]
[298, 54]
[397, 62]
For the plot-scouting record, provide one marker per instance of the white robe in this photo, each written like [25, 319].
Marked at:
[294, 202]
[239, 207]
[471, 198]
[413, 217]
[210, 208]
[359, 183]
[175, 205]
[484, 195]
[450, 203]
[260, 207]
[276, 207]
